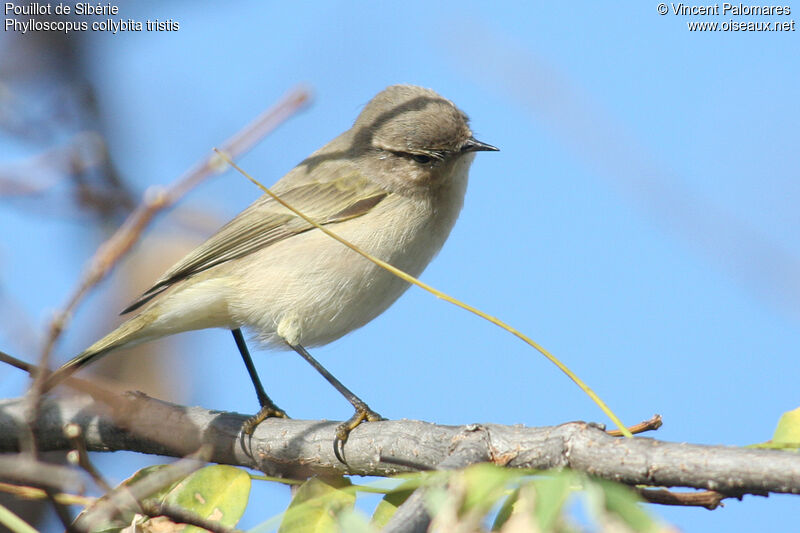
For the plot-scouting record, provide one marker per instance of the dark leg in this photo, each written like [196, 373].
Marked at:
[363, 412]
[268, 407]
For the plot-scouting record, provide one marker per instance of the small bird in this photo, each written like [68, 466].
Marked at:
[393, 185]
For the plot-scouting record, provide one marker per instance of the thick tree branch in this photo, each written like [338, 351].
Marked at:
[300, 448]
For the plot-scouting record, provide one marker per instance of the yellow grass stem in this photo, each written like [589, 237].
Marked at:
[439, 294]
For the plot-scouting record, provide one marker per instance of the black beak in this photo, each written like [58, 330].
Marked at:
[474, 145]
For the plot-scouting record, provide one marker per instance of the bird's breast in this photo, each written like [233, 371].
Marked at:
[312, 289]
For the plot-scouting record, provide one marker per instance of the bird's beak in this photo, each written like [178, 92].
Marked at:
[474, 145]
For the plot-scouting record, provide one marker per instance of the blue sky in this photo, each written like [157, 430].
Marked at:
[640, 220]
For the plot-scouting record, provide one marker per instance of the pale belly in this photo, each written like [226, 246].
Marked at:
[315, 290]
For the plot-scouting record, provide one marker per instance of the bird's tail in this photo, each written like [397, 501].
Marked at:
[128, 333]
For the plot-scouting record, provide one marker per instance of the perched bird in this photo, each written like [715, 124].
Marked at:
[393, 185]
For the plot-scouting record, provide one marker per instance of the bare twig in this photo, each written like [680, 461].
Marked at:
[61, 511]
[710, 499]
[75, 435]
[32, 493]
[21, 469]
[182, 516]
[57, 163]
[648, 425]
[17, 363]
[51, 479]
[105, 396]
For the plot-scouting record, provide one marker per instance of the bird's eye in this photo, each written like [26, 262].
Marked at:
[421, 158]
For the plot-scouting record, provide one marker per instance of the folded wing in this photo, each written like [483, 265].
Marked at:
[266, 222]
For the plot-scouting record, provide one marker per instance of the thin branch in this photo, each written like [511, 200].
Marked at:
[648, 425]
[182, 516]
[710, 499]
[21, 469]
[102, 395]
[32, 493]
[75, 435]
[84, 151]
[61, 511]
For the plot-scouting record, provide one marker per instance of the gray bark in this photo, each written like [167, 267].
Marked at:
[302, 448]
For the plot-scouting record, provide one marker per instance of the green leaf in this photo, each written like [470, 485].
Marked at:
[395, 497]
[486, 485]
[143, 473]
[788, 430]
[625, 504]
[353, 521]
[316, 505]
[505, 510]
[552, 491]
[435, 500]
[388, 506]
[217, 492]
[129, 515]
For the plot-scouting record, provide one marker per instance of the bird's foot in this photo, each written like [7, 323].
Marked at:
[267, 411]
[363, 414]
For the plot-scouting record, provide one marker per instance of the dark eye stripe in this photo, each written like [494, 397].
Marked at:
[421, 158]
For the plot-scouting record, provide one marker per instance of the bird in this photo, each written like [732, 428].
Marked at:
[393, 184]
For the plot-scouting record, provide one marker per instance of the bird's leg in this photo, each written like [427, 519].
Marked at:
[363, 412]
[268, 407]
